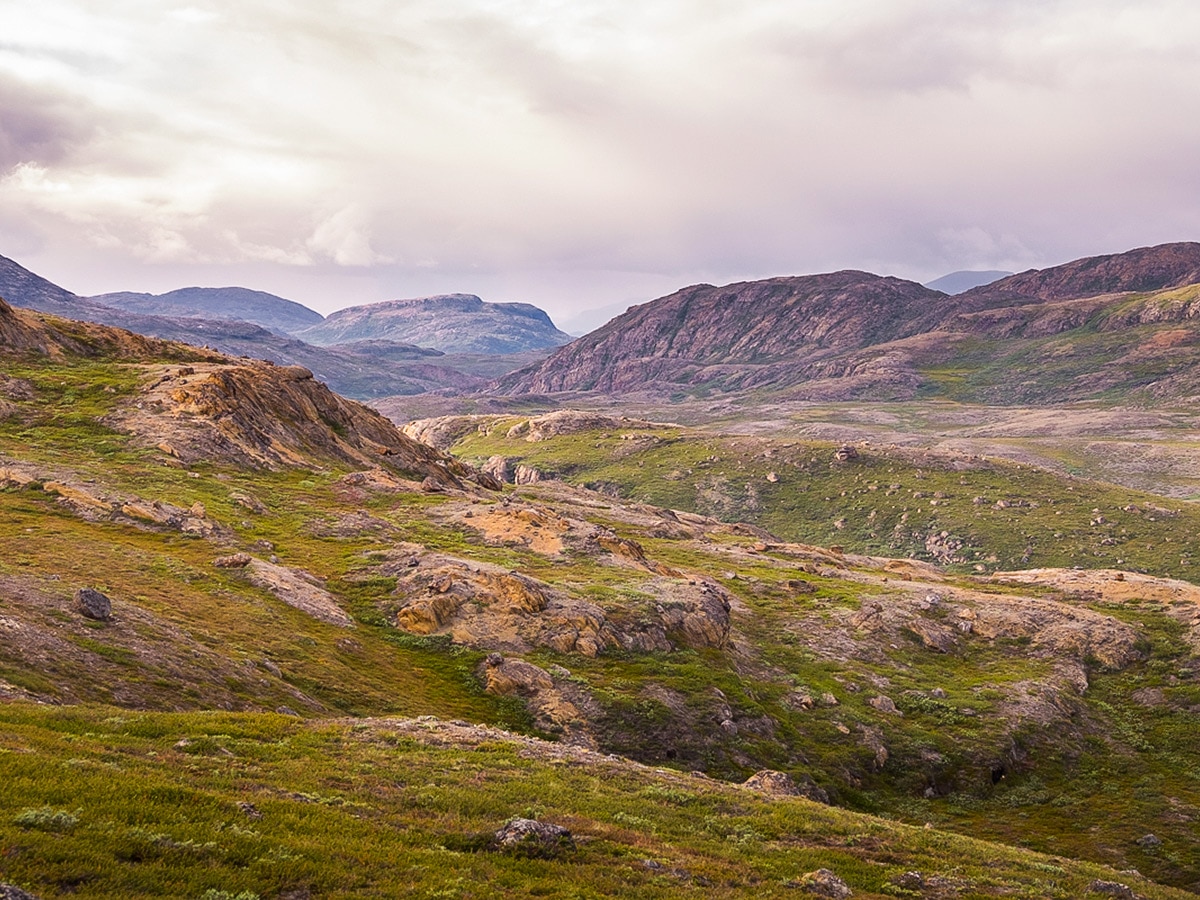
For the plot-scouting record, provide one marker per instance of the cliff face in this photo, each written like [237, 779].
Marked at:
[453, 323]
[754, 324]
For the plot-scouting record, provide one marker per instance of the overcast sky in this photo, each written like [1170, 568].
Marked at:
[586, 153]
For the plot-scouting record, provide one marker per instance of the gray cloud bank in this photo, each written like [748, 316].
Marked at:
[587, 153]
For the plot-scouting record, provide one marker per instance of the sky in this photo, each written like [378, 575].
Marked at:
[585, 155]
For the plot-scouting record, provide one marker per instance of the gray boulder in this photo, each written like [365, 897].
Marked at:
[93, 604]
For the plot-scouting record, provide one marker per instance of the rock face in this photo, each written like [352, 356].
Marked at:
[270, 416]
[93, 604]
[454, 323]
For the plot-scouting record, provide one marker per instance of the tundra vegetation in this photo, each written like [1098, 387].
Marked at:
[334, 671]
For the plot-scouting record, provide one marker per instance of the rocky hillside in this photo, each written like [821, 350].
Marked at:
[1106, 328]
[1145, 269]
[737, 335]
[453, 323]
[199, 405]
[237, 303]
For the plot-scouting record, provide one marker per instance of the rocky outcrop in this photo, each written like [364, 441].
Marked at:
[297, 589]
[495, 609]
[531, 836]
[780, 784]
[262, 415]
[556, 707]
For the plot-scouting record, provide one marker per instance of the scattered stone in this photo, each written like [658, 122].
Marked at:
[93, 604]
[233, 561]
[884, 705]
[1113, 889]
[538, 838]
[250, 810]
[845, 453]
[823, 883]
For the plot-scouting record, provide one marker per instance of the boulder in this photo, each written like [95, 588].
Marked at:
[527, 475]
[824, 883]
[530, 835]
[93, 604]
[12, 892]
[1112, 889]
[780, 784]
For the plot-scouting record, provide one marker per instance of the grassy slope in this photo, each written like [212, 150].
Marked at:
[101, 803]
[1004, 514]
[1085, 800]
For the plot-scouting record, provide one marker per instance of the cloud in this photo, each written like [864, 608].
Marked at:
[541, 144]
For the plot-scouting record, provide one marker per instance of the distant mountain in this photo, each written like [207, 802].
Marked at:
[271, 312]
[1143, 269]
[20, 287]
[736, 336]
[360, 372]
[1121, 328]
[957, 282]
[453, 323]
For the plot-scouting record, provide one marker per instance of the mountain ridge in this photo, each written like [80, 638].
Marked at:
[453, 323]
[852, 334]
[269, 311]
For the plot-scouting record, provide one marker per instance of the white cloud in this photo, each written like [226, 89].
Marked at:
[516, 142]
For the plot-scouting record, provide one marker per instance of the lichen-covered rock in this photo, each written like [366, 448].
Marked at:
[824, 883]
[1113, 889]
[93, 604]
[530, 835]
[12, 892]
[781, 784]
